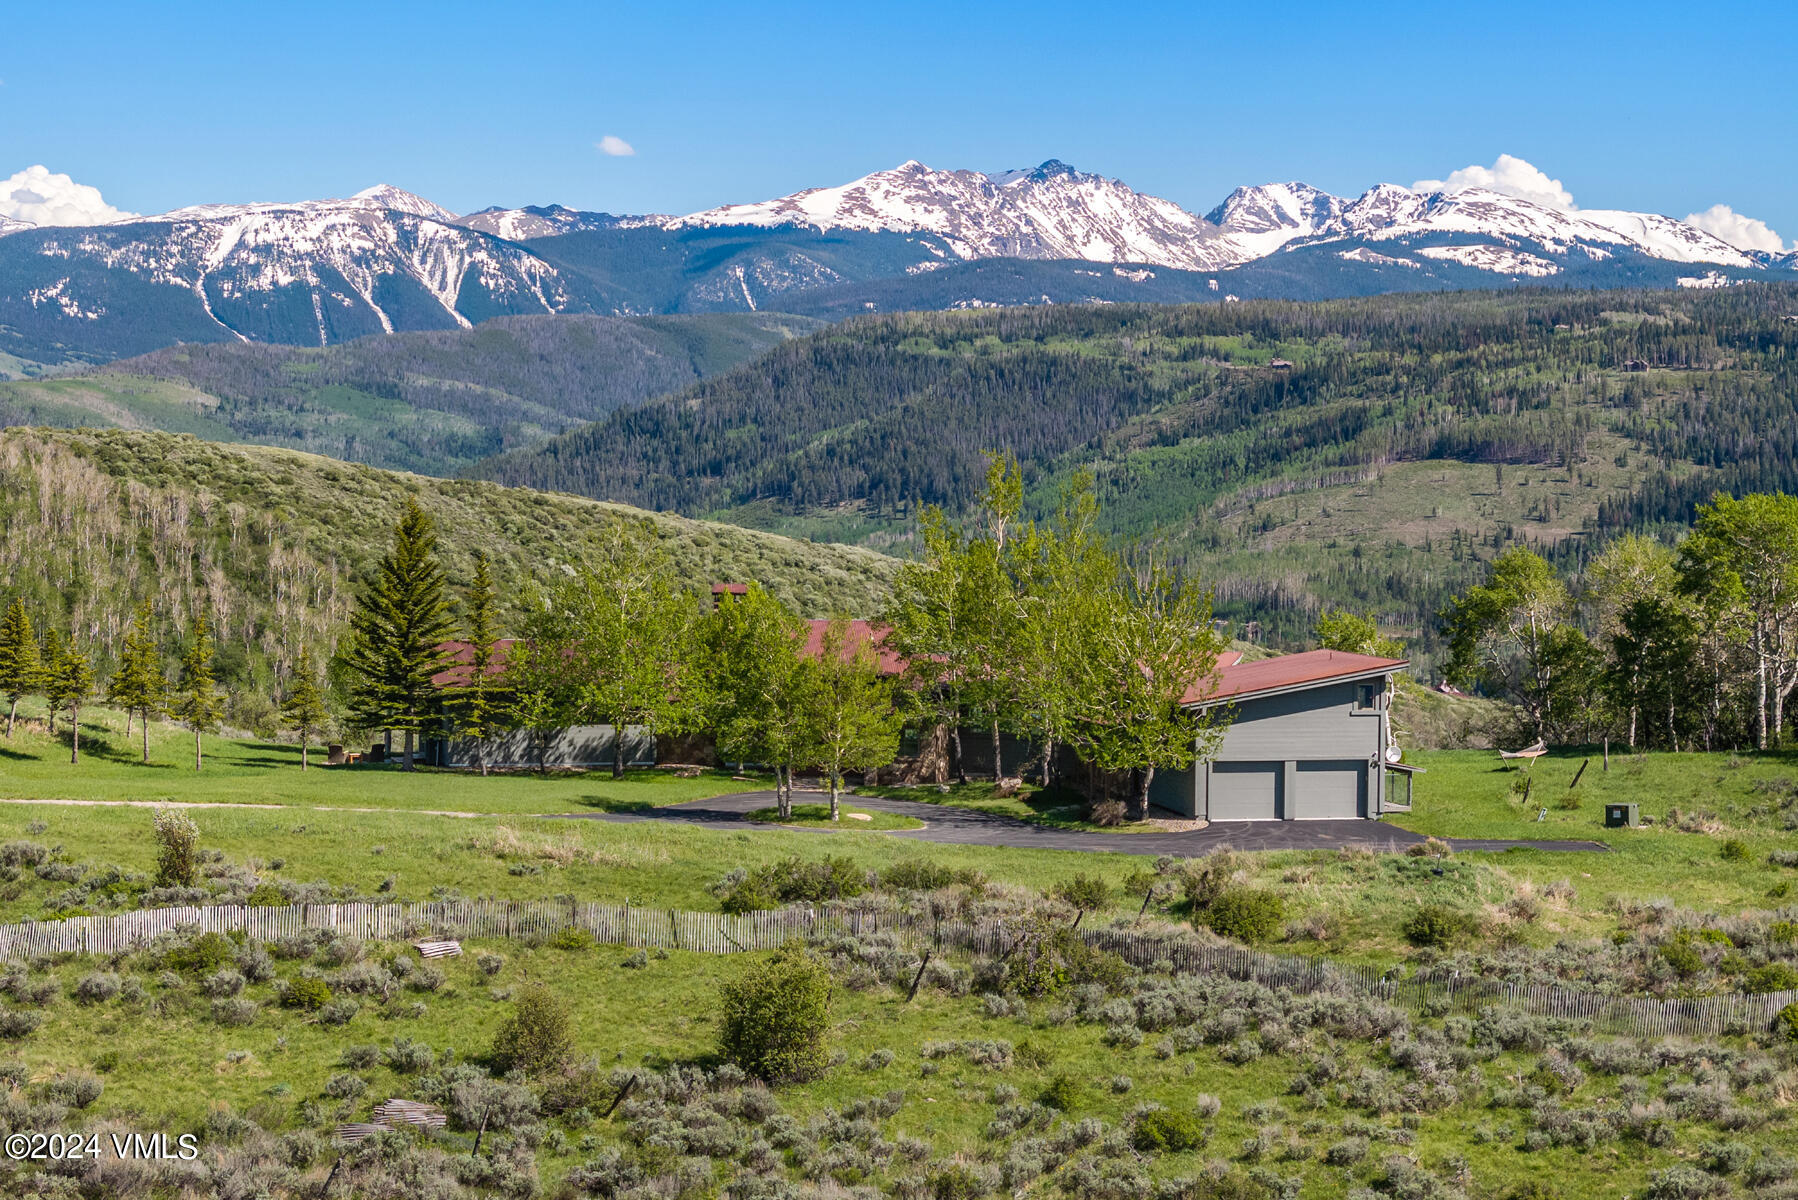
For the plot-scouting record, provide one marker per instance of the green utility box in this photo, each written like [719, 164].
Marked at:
[1621, 816]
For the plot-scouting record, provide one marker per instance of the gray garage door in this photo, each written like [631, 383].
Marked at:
[1330, 790]
[1245, 791]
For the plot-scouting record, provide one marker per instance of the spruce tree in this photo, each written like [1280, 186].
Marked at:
[395, 643]
[138, 686]
[19, 661]
[304, 710]
[477, 705]
[74, 681]
[197, 703]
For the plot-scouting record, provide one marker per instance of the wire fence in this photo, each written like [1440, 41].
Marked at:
[725, 933]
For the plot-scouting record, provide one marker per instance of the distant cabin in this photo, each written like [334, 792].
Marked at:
[1280, 364]
[1634, 364]
[1309, 738]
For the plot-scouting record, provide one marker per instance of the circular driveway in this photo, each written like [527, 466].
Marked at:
[952, 825]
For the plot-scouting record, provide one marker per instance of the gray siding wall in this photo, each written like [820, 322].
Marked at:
[1320, 722]
[1275, 734]
[1176, 791]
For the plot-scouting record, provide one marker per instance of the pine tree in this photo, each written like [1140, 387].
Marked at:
[138, 686]
[304, 710]
[198, 704]
[478, 705]
[74, 681]
[19, 661]
[395, 643]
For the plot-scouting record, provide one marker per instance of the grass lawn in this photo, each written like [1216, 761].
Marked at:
[1052, 807]
[817, 816]
[251, 771]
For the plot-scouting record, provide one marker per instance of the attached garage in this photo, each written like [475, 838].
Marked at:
[1308, 738]
[1246, 791]
[1330, 791]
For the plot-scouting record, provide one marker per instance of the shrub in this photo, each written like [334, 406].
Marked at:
[1785, 1022]
[1084, 893]
[338, 1012]
[490, 963]
[76, 1089]
[573, 937]
[223, 983]
[306, 992]
[773, 1017]
[1683, 957]
[958, 1181]
[1774, 977]
[790, 881]
[1062, 1093]
[360, 1058]
[177, 848]
[1682, 1182]
[266, 895]
[1247, 914]
[236, 1011]
[407, 1056]
[1347, 1152]
[208, 952]
[98, 987]
[1436, 925]
[536, 1037]
[345, 1086]
[1734, 850]
[1165, 1131]
[23, 854]
[16, 1023]
[922, 875]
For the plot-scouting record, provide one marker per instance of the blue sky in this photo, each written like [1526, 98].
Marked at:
[1658, 107]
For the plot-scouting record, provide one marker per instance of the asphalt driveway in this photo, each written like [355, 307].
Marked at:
[951, 825]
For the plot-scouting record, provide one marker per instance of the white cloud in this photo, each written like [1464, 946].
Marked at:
[615, 146]
[43, 197]
[1744, 233]
[1510, 176]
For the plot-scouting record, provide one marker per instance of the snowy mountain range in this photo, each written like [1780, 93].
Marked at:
[317, 272]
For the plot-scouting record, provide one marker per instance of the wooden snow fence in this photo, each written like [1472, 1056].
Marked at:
[441, 949]
[395, 1113]
[448, 922]
[358, 1131]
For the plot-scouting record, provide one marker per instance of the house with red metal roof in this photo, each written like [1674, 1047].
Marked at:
[1309, 737]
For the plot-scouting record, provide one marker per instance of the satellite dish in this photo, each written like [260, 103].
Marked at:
[1394, 754]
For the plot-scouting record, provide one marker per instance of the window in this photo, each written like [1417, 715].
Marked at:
[1370, 696]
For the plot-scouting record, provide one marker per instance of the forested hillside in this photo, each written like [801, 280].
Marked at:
[1407, 436]
[430, 402]
[274, 543]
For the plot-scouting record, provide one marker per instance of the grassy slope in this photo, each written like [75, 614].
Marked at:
[663, 1013]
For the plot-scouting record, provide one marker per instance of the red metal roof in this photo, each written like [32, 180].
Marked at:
[461, 654]
[858, 634]
[1284, 671]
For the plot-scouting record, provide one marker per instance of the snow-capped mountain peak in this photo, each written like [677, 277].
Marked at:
[1050, 211]
[385, 195]
[1262, 219]
[13, 225]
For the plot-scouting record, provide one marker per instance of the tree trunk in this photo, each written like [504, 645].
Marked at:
[998, 755]
[1048, 759]
[302, 750]
[129, 713]
[835, 781]
[387, 744]
[146, 729]
[406, 763]
[617, 751]
[1632, 727]
[1140, 801]
[197, 759]
[74, 734]
[961, 766]
[1760, 655]
[12, 715]
[783, 793]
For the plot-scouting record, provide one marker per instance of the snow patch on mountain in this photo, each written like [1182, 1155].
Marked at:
[520, 224]
[1499, 259]
[385, 195]
[1259, 220]
[12, 225]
